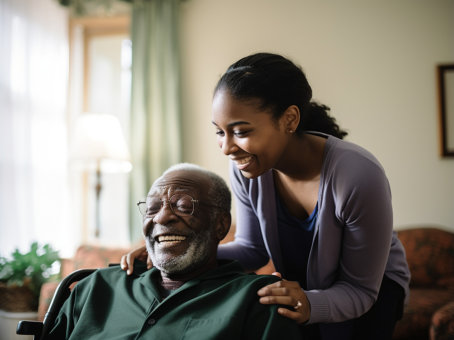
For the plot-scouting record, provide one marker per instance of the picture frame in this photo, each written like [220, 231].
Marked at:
[445, 80]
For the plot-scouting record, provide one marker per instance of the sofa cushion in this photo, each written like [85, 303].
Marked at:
[92, 256]
[430, 256]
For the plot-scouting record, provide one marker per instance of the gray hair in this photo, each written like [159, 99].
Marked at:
[218, 193]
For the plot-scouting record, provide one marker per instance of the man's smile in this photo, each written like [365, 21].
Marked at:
[170, 238]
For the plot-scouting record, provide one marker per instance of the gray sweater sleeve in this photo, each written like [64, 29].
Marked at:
[353, 239]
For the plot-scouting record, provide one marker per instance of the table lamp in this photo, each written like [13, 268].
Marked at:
[98, 145]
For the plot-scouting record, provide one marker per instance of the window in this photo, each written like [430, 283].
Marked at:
[42, 198]
[33, 132]
[100, 83]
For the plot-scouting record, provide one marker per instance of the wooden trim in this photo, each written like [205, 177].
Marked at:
[102, 24]
[443, 110]
[91, 27]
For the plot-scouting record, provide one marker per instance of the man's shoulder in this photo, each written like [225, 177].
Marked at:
[109, 271]
[233, 272]
[114, 273]
[256, 281]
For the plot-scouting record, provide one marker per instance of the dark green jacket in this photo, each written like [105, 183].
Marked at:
[220, 304]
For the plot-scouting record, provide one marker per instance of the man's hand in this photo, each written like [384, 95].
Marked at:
[127, 261]
[287, 293]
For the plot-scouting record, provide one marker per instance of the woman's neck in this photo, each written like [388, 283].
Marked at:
[303, 159]
[297, 182]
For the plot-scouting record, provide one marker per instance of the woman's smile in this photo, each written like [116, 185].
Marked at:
[242, 162]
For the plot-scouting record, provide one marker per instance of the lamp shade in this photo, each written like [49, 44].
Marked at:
[98, 141]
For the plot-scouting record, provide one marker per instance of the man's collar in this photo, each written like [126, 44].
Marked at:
[225, 269]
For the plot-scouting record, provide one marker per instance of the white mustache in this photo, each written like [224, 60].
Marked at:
[160, 229]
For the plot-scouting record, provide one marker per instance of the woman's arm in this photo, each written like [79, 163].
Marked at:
[355, 237]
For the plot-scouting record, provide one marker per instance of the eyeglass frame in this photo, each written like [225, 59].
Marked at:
[167, 201]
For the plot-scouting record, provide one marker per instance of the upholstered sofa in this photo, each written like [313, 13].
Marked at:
[429, 313]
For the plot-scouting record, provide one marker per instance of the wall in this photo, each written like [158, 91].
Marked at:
[373, 62]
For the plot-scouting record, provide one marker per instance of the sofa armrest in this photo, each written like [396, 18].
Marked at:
[442, 324]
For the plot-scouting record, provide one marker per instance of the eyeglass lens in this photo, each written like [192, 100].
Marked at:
[181, 205]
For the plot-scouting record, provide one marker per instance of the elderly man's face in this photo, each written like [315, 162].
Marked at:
[178, 239]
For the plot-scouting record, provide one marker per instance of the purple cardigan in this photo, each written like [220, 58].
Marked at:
[354, 242]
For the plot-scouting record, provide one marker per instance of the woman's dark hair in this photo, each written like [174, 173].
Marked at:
[278, 83]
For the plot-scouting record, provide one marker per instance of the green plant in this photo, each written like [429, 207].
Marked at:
[29, 270]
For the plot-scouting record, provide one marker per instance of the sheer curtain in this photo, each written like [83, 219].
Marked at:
[34, 202]
[155, 131]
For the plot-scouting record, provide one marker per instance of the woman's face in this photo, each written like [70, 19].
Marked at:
[247, 134]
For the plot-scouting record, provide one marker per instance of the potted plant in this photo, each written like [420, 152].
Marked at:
[22, 276]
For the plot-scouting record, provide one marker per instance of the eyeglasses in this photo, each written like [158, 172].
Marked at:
[180, 204]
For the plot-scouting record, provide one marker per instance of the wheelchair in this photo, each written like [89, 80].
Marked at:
[40, 330]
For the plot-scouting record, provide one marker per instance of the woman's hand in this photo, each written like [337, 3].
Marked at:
[287, 293]
[127, 261]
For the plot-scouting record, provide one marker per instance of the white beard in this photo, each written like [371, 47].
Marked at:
[194, 257]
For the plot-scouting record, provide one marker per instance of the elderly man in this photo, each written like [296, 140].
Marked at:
[188, 294]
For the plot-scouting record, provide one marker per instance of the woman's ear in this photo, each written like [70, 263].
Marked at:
[223, 225]
[291, 118]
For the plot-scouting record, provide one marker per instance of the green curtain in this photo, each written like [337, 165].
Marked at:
[155, 135]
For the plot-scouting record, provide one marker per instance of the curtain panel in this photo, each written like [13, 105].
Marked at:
[34, 196]
[155, 127]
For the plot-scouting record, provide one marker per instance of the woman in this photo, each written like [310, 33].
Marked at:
[318, 206]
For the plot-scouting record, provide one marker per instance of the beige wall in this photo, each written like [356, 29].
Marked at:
[373, 62]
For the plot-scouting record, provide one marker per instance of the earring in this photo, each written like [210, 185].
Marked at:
[290, 131]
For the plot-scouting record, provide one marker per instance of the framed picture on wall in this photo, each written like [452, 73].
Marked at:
[445, 79]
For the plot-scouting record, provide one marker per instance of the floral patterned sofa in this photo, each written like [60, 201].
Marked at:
[429, 313]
